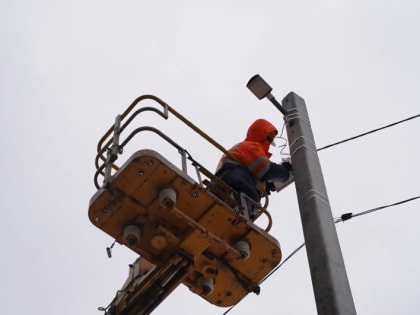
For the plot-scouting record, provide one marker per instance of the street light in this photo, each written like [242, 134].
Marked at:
[329, 278]
[261, 89]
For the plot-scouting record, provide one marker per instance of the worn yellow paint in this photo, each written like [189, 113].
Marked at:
[201, 230]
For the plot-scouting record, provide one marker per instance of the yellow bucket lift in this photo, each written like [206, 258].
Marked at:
[185, 230]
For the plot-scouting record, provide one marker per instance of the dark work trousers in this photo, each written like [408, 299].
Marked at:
[241, 180]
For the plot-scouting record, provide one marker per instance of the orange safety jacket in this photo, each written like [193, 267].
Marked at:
[253, 153]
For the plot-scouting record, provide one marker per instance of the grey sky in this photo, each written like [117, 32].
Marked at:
[69, 67]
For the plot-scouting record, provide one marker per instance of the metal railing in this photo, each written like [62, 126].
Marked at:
[111, 145]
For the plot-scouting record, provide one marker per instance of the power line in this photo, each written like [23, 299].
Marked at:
[343, 217]
[348, 216]
[272, 271]
[369, 132]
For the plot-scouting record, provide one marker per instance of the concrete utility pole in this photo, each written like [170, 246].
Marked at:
[329, 278]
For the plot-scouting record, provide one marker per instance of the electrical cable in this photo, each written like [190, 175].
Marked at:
[282, 138]
[283, 146]
[272, 271]
[369, 132]
[344, 217]
[287, 258]
[349, 215]
[128, 286]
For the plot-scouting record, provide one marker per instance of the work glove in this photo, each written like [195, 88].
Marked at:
[288, 166]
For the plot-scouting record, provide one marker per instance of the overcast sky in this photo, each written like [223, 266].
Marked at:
[69, 67]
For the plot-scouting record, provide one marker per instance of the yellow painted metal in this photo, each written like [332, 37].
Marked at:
[102, 144]
[200, 229]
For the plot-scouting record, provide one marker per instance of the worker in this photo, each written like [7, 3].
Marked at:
[251, 172]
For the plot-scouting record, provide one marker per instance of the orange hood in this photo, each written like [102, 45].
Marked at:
[259, 131]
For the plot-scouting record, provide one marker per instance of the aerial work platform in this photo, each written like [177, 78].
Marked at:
[186, 230]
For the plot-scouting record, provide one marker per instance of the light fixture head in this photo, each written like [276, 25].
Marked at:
[259, 87]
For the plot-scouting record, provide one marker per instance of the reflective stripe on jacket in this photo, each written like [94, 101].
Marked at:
[253, 153]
